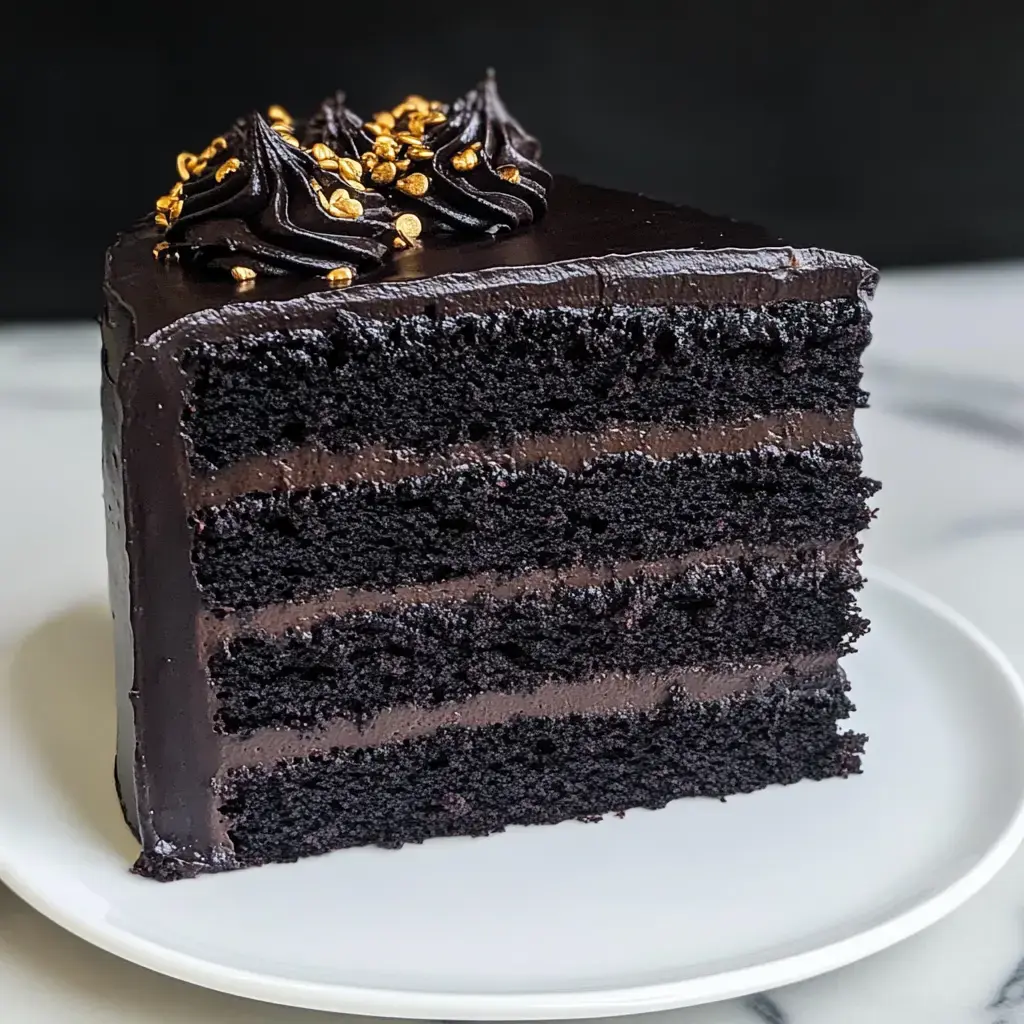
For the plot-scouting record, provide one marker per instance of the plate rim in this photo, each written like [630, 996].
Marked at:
[595, 1002]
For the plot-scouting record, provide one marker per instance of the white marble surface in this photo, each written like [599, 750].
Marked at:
[946, 435]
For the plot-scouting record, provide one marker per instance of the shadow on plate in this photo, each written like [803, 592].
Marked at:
[62, 700]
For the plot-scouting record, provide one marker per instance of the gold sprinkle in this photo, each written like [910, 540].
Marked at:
[400, 243]
[348, 208]
[465, 160]
[218, 144]
[278, 113]
[228, 167]
[408, 226]
[164, 203]
[369, 160]
[161, 220]
[417, 103]
[436, 105]
[284, 132]
[185, 163]
[377, 129]
[419, 153]
[321, 151]
[354, 184]
[242, 273]
[338, 195]
[384, 173]
[322, 200]
[408, 139]
[317, 187]
[435, 117]
[208, 154]
[413, 185]
[384, 118]
[176, 207]
[198, 168]
[385, 147]
[403, 165]
[349, 168]
[417, 123]
[159, 248]
[328, 165]
[340, 276]
[175, 189]
[509, 173]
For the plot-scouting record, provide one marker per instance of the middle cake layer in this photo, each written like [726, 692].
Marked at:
[426, 650]
[258, 549]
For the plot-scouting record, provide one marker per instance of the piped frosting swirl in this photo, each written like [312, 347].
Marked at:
[268, 207]
[486, 175]
[336, 196]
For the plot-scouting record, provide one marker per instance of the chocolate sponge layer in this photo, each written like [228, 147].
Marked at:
[262, 548]
[422, 383]
[536, 770]
[357, 664]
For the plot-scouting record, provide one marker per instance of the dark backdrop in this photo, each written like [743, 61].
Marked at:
[891, 129]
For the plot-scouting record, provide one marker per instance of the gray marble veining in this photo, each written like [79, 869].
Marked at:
[766, 1009]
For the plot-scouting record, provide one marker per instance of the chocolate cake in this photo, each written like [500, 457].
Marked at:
[444, 495]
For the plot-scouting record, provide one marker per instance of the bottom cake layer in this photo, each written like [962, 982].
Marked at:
[472, 781]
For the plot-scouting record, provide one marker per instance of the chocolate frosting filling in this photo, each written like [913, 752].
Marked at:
[275, 619]
[605, 693]
[309, 467]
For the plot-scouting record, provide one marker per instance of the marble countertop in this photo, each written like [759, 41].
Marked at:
[945, 434]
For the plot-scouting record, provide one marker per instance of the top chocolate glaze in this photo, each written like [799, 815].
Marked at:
[595, 247]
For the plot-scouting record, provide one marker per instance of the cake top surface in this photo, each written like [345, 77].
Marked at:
[427, 208]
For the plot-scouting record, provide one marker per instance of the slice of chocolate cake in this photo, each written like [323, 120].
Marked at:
[443, 496]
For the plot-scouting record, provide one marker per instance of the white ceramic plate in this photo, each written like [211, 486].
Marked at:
[700, 901]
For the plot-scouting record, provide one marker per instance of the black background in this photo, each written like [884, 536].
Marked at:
[889, 129]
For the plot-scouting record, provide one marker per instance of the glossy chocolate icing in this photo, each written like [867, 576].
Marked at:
[595, 247]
